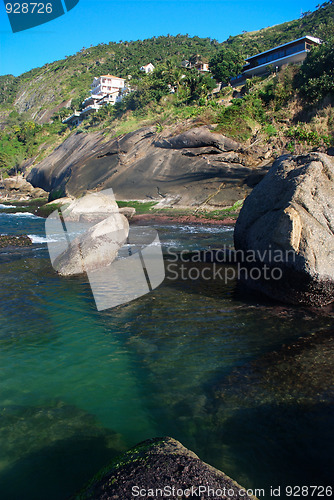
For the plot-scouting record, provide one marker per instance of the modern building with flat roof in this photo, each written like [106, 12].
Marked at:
[289, 53]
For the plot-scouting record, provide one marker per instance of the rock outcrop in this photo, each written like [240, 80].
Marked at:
[198, 167]
[18, 186]
[288, 223]
[197, 138]
[94, 207]
[96, 248]
[102, 232]
[162, 463]
[302, 371]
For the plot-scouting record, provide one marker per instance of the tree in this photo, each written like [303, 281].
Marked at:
[226, 64]
[315, 79]
[197, 84]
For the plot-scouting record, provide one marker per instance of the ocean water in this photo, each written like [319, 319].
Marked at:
[189, 360]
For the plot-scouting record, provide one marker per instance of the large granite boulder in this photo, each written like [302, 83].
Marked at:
[94, 207]
[199, 167]
[158, 464]
[94, 249]
[95, 231]
[286, 229]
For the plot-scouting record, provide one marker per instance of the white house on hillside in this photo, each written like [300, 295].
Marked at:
[148, 68]
[202, 67]
[105, 89]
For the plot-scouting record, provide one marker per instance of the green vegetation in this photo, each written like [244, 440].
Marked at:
[22, 141]
[310, 23]
[301, 135]
[226, 64]
[316, 77]
[242, 118]
[141, 207]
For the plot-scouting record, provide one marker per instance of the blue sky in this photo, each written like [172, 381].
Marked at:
[95, 21]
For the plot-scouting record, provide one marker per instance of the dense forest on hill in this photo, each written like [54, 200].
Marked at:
[33, 104]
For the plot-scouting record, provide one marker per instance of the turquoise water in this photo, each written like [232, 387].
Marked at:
[79, 386]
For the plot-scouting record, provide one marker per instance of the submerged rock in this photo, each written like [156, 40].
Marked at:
[14, 241]
[290, 216]
[301, 372]
[161, 463]
[47, 451]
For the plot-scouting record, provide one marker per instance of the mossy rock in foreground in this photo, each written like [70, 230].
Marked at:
[14, 241]
[156, 464]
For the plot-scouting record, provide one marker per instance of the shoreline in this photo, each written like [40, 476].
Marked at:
[180, 219]
[43, 209]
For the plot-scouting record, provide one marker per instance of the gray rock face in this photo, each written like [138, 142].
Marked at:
[199, 137]
[195, 168]
[291, 214]
[94, 207]
[161, 463]
[128, 212]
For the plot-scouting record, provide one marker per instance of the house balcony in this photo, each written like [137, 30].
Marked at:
[290, 59]
[75, 117]
[92, 98]
[90, 108]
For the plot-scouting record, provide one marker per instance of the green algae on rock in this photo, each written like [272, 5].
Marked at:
[158, 464]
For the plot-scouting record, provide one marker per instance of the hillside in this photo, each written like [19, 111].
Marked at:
[276, 111]
[40, 92]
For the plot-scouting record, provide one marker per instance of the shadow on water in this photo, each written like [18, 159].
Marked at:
[57, 471]
[50, 451]
[291, 447]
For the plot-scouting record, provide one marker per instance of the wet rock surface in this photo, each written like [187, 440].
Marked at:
[14, 241]
[103, 231]
[157, 463]
[300, 372]
[95, 249]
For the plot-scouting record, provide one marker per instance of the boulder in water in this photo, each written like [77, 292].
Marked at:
[287, 222]
[161, 463]
[96, 248]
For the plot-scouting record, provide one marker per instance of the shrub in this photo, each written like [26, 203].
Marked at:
[313, 138]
